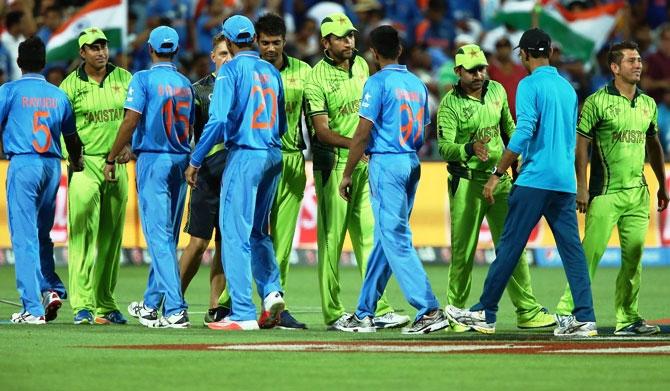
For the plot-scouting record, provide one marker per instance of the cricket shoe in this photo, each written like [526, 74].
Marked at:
[273, 305]
[540, 320]
[216, 314]
[288, 322]
[428, 323]
[457, 328]
[641, 327]
[234, 325]
[174, 321]
[569, 327]
[339, 322]
[390, 320]
[354, 325]
[476, 320]
[114, 317]
[83, 317]
[51, 302]
[26, 318]
[146, 316]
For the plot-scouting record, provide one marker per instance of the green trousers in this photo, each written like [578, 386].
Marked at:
[335, 217]
[96, 217]
[628, 210]
[468, 209]
[285, 209]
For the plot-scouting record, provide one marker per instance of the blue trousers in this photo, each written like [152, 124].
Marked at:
[526, 206]
[32, 185]
[247, 191]
[393, 182]
[161, 188]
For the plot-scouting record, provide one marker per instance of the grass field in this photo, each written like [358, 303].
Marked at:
[62, 356]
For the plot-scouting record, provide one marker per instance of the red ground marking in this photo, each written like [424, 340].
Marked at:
[660, 322]
[451, 347]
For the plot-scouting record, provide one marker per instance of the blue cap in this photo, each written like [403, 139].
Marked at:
[239, 29]
[164, 39]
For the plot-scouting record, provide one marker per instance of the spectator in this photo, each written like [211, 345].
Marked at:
[307, 42]
[664, 122]
[53, 17]
[180, 13]
[5, 64]
[656, 79]
[55, 75]
[506, 72]
[208, 25]
[405, 15]
[14, 34]
[437, 28]
[370, 15]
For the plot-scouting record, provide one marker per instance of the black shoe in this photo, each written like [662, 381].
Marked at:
[288, 322]
[216, 314]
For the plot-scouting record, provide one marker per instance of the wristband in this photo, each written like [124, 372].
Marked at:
[110, 162]
[496, 173]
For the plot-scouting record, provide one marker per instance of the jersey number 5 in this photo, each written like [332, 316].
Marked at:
[408, 127]
[255, 123]
[170, 110]
[43, 129]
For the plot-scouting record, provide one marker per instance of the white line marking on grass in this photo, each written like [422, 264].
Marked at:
[638, 350]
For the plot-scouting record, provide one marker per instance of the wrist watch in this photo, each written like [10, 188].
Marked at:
[496, 173]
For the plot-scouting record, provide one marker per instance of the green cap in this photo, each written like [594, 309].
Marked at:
[90, 35]
[470, 56]
[337, 24]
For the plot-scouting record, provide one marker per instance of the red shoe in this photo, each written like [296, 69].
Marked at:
[234, 325]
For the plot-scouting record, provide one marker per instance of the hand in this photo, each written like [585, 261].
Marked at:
[662, 196]
[489, 188]
[365, 158]
[124, 156]
[191, 175]
[582, 199]
[481, 150]
[76, 166]
[110, 173]
[345, 188]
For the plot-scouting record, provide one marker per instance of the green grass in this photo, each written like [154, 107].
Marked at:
[58, 356]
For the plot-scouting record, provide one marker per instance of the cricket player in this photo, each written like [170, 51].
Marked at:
[619, 123]
[97, 91]
[393, 116]
[470, 120]
[33, 115]
[247, 113]
[271, 32]
[160, 105]
[545, 137]
[203, 209]
[333, 90]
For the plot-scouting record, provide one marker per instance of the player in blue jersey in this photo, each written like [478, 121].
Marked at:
[33, 115]
[247, 113]
[393, 117]
[160, 105]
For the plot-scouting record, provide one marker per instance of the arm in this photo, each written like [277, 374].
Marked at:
[358, 144]
[128, 125]
[327, 136]
[527, 118]
[74, 146]
[447, 129]
[655, 152]
[581, 161]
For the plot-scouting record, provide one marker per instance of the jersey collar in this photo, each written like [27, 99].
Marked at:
[164, 64]
[395, 67]
[284, 64]
[332, 63]
[461, 92]
[33, 76]
[84, 76]
[611, 89]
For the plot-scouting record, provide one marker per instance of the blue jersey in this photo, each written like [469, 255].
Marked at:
[33, 115]
[247, 109]
[396, 102]
[165, 98]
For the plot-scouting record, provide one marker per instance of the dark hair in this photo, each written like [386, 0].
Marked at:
[53, 8]
[32, 55]
[13, 18]
[385, 40]
[217, 39]
[271, 24]
[615, 54]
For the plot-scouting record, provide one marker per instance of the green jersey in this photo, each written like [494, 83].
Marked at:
[293, 74]
[335, 92]
[462, 119]
[618, 128]
[98, 107]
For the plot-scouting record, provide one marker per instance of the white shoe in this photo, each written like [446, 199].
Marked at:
[476, 320]
[146, 316]
[26, 318]
[427, 324]
[390, 320]
[175, 321]
[273, 305]
[234, 325]
[51, 302]
[354, 325]
[570, 327]
[341, 321]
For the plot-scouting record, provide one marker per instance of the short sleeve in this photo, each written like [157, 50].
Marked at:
[588, 118]
[136, 97]
[371, 102]
[315, 95]
[653, 124]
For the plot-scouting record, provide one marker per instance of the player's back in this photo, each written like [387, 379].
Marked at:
[398, 101]
[165, 99]
[257, 118]
[33, 114]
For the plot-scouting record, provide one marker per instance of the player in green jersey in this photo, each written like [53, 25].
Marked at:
[271, 32]
[619, 123]
[470, 119]
[203, 207]
[333, 90]
[96, 208]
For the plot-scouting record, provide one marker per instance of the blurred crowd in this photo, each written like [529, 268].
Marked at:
[432, 31]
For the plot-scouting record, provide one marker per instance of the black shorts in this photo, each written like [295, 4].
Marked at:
[203, 207]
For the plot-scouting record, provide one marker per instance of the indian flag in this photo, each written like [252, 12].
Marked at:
[580, 33]
[111, 16]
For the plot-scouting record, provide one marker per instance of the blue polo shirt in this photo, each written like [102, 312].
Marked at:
[545, 135]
